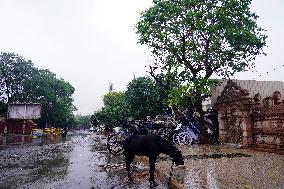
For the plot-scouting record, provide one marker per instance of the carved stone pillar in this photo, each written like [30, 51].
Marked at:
[247, 126]
[234, 110]
[221, 128]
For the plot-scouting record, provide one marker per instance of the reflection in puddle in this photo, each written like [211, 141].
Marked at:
[51, 170]
[211, 177]
[115, 166]
[80, 162]
[34, 171]
[235, 170]
[6, 141]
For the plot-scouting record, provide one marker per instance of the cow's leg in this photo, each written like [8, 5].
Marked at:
[152, 161]
[128, 159]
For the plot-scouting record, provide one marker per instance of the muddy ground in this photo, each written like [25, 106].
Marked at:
[79, 161]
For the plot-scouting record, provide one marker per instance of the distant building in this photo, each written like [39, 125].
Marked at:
[19, 118]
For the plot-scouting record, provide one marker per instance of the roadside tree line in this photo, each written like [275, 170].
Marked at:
[142, 98]
[21, 82]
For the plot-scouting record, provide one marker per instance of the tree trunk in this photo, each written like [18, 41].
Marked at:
[201, 122]
[190, 107]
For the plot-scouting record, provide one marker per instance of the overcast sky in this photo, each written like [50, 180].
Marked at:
[90, 43]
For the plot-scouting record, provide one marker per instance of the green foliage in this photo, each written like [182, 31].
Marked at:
[179, 97]
[202, 37]
[183, 95]
[55, 95]
[14, 72]
[22, 82]
[142, 98]
[114, 112]
[145, 98]
[84, 120]
[94, 120]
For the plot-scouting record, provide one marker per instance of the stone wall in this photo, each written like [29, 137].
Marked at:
[234, 107]
[268, 123]
[250, 121]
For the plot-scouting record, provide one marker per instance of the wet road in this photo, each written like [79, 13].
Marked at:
[80, 161]
[228, 167]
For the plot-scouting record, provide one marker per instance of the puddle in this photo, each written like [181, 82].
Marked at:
[81, 161]
[11, 141]
[233, 170]
[114, 166]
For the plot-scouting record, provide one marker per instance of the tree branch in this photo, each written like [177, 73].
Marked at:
[208, 68]
[158, 80]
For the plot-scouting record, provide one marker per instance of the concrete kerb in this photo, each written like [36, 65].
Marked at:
[173, 184]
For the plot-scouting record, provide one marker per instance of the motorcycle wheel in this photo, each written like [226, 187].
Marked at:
[114, 144]
[182, 138]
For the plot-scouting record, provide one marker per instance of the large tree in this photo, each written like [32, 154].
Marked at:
[196, 38]
[142, 98]
[54, 94]
[20, 81]
[14, 71]
[145, 98]
[115, 111]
